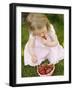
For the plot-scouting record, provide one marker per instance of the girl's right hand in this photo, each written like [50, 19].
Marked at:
[34, 58]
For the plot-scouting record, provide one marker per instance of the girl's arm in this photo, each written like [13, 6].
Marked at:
[54, 41]
[50, 43]
[53, 36]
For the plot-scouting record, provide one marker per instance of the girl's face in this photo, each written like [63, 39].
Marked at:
[40, 32]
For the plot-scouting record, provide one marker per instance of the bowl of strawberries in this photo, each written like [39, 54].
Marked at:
[45, 69]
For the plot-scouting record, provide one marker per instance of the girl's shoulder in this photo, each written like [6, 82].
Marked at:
[52, 30]
[31, 36]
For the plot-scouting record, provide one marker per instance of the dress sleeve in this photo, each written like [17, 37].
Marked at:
[52, 33]
[30, 35]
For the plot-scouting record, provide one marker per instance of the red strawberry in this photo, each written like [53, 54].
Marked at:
[48, 70]
[45, 69]
[44, 37]
[41, 70]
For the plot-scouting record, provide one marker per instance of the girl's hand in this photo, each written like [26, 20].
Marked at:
[44, 41]
[47, 37]
[34, 58]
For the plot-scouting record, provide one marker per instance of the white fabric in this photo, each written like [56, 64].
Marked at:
[53, 54]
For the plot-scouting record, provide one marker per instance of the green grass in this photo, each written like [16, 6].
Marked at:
[29, 71]
[59, 68]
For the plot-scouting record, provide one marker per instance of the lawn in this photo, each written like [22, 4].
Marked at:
[57, 21]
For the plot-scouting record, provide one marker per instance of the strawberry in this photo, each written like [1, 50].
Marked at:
[48, 70]
[44, 37]
[42, 72]
[45, 69]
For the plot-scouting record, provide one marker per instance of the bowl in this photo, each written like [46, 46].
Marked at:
[45, 69]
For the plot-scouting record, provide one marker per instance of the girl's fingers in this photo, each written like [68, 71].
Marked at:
[34, 59]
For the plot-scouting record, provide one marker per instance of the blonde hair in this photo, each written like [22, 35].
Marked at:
[37, 21]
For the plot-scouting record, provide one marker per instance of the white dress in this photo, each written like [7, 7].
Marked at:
[53, 54]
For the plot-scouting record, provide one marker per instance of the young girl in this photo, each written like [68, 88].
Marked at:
[43, 42]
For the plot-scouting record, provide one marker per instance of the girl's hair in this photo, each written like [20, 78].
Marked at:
[37, 21]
